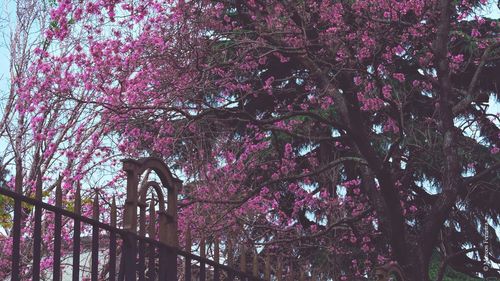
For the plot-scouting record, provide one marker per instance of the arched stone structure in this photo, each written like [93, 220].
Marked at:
[136, 197]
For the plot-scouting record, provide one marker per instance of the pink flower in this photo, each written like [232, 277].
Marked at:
[386, 91]
[399, 76]
[357, 80]
[475, 33]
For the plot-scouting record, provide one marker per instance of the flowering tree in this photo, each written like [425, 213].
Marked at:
[335, 135]
[47, 140]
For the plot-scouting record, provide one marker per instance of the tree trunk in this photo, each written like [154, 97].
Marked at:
[418, 270]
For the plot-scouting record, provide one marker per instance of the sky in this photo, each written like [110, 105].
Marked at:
[7, 17]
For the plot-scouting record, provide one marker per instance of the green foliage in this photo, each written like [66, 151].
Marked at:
[450, 274]
[5, 202]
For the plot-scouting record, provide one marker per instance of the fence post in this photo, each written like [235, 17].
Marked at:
[152, 235]
[56, 268]
[203, 254]
[230, 257]
[142, 245]
[37, 231]
[95, 239]
[76, 235]
[187, 269]
[112, 243]
[216, 258]
[16, 227]
[129, 249]
[243, 261]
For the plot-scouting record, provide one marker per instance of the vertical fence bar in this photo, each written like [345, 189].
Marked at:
[243, 262]
[37, 232]
[121, 271]
[216, 259]
[16, 242]
[142, 244]
[203, 251]
[16, 227]
[187, 266]
[171, 261]
[168, 264]
[95, 240]
[203, 275]
[129, 248]
[187, 269]
[163, 265]
[230, 258]
[151, 248]
[76, 236]
[37, 243]
[112, 243]
[203, 254]
[129, 257]
[56, 268]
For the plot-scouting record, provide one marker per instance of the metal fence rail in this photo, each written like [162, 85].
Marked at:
[163, 262]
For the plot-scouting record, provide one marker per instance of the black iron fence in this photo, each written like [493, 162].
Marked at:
[131, 252]
[141, 258]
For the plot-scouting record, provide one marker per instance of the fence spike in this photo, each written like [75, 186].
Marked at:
[56, 266]
[39, 185]
[58, 195]
[95, 207]
[78, 201]
[113, 212]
